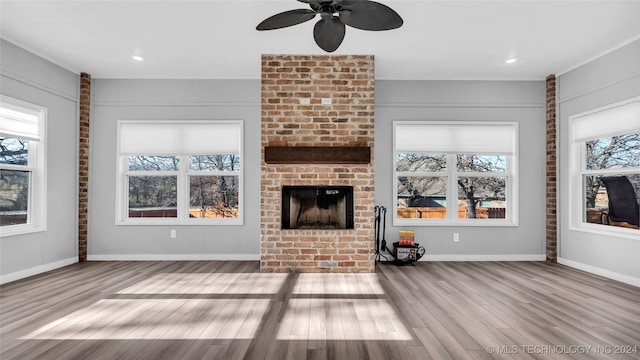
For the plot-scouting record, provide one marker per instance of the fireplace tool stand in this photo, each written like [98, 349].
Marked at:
[403, 254]
[381, 245]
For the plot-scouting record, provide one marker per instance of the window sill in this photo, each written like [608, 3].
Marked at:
[15, 230]
[177, 222]
[466, 223]
[608, 230]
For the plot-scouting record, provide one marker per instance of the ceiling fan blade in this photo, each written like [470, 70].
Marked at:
[329, 34]
[285, 19]
[369, 15]
[347, 3]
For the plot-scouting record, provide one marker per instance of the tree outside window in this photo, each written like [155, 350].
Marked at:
[14, 181]
[608, 156]
[214, 196]
[481, 194]
[153, 186]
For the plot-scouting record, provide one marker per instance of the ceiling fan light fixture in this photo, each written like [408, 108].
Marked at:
[137, 57]
[512, 60]
[326, 12]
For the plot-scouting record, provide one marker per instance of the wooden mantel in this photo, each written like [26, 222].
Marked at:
[317, 154]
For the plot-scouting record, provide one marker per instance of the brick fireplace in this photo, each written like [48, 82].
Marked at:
[317, 110]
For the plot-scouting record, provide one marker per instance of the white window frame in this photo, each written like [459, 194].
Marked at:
[183, 174]
[577, 161]
[37, 166]
[451, 172]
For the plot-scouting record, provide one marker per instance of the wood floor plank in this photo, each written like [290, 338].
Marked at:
[229, 310]
[431, 343]
[417, 352]
[297, 349]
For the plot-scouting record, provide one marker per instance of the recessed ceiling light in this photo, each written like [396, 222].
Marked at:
[511, 60]
[137, 57]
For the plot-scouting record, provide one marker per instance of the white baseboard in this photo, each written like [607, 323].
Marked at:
[532, 257]
[173, 257]
[36, 270]
[602, 272]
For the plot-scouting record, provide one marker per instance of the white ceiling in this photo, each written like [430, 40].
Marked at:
[216, 39]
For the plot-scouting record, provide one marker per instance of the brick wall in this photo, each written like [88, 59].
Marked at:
[552, 223]
[83, 161]
[293, 114]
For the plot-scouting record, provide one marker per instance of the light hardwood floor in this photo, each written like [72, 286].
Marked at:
[229, 310]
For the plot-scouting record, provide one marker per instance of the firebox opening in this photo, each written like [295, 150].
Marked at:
[317, 207]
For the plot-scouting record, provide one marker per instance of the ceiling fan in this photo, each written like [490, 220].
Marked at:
[329, 31]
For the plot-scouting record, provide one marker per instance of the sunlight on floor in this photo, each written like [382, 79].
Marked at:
[341, 319]
[208, 283]
[174, 306]
[145, 319]
[180, 306]
[338, 284]
[340, 307]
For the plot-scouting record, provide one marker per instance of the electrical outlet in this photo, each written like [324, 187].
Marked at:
[305, 101]
[326, 101]
[456, 237]
[328, 264]
[173, 233]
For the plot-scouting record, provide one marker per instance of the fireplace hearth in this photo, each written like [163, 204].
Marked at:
[317, 207]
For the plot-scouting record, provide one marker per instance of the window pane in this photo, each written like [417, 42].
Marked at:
[14, 197]
[613, 152]
[153, 196]
[482, 197]
[421, 162]
[422, 197]
[14, 151]
[481, 163]
[214, 162]
[153, 163]
[597, 200]
[213, 196]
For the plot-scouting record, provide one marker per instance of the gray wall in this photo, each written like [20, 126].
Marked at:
[115, 100]
[470, 101]
[240, 99]
[30, 78]
[607, 80]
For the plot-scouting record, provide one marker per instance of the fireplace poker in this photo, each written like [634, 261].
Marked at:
[384, 227]
[376, 226]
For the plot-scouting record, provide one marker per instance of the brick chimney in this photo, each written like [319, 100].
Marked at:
[319, 101]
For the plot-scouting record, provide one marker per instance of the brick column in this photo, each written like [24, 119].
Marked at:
[83, 163]
[552, 222]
